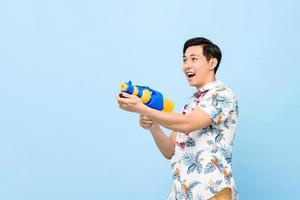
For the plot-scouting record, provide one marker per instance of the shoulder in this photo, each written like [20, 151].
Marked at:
[220, 96]
[222, 90]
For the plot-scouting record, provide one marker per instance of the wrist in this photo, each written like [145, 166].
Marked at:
[145, 110]
[154, 128]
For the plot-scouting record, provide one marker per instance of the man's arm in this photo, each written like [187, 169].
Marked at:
[165, 144]
[176, 122]
[179, 122]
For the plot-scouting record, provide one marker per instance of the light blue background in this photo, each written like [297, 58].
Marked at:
[61, 63]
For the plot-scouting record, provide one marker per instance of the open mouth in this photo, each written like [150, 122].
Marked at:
[190, 74]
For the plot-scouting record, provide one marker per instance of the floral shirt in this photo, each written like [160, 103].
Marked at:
[201, 164]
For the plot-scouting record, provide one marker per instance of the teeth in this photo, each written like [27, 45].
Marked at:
[190, 74]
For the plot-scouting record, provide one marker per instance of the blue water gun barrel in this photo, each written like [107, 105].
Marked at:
[148, 96]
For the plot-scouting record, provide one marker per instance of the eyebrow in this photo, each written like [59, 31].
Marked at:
[191, 55]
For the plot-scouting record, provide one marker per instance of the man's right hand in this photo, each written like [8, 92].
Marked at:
[147, 123]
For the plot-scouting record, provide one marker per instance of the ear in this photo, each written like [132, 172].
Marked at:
[212, 63]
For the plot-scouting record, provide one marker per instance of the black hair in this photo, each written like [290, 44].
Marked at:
[210, 50]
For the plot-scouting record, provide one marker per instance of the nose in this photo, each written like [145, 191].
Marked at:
[186, 65]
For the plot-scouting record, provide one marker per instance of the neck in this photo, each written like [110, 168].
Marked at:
[209, 80]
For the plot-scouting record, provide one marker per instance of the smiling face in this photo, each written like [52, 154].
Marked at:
[197, 69]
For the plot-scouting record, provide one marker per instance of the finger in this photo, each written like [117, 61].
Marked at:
[147, 122]
[146, 117]
[126, 95]
[145, 126]
[134, 98]
[121, 99]
[123, 105]
[124, 101]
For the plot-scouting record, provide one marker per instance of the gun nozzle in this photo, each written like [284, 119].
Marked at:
[168, 105]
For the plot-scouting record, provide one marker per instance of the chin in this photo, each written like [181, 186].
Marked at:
[193, 84]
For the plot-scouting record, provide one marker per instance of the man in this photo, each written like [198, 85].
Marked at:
[200, 145]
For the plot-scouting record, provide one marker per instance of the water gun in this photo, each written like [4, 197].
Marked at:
[148, 96]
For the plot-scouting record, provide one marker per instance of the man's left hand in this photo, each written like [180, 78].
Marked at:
[130, 103]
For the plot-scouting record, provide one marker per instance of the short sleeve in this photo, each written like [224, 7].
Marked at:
[218, 104]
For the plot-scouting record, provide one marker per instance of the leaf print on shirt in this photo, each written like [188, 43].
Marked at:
[214, 113]
[214, 148]
[219, 134]
[176, 175]
[205, 131]
[219, 137]
[193, 162]
[228, 175]
[209, 168]
[187, 189]
[214, 164]
[237, 108]
[226, 123]
[213, 186]
[190, 142]
[230, 120]
[222, 100]
[199, 197]
[227, 154]
[180, 194]
[217, 113]
[220, 89]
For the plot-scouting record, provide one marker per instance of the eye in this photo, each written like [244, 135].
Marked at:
[194, 59]
[184, 60]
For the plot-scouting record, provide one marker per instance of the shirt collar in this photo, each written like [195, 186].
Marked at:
[201, 91]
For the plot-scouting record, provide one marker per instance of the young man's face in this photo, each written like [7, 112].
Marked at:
[196, 68]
